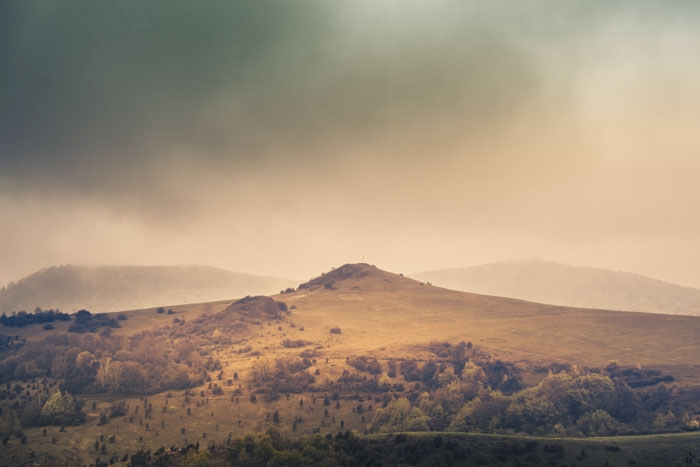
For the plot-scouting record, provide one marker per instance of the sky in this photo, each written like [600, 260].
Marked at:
[286, 137]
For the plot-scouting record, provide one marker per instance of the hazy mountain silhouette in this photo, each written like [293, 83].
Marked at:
[559, 284]
[116, 288]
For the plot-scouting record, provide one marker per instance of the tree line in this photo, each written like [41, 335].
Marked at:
[20, 319]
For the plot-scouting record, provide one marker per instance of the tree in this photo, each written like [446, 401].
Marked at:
[597, 423]
[399, 416]
[481, 414]
[61, 409]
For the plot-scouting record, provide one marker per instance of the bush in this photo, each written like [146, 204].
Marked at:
[294, 343]
[368, 364]
[336, 330]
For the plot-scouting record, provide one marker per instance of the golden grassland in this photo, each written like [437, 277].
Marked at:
[382, 315]
[387, 314]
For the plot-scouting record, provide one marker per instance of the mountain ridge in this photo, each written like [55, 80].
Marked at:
[555, 283]
[107, 288]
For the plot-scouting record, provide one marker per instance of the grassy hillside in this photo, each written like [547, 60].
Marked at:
[117, 288]
[548, 282]
[344, 347]
[388, 313]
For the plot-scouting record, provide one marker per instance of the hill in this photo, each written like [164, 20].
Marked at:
[560, 284]
[116, 288]
[381, 310]
[356, 348]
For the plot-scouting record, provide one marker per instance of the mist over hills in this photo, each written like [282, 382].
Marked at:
[559, 284]
[117, 288]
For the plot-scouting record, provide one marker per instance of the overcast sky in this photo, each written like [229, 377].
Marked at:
[287, 137]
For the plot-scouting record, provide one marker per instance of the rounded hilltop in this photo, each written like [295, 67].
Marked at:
[354, 275]
[258, 307]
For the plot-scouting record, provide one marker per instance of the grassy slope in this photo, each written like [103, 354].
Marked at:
[384, 315]
[383, 310]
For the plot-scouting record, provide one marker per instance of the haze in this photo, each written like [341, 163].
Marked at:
[282, 138]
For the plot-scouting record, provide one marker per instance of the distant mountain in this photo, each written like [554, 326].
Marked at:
[560, 284]
[117, 288]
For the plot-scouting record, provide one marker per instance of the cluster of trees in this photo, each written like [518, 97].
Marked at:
[92, 359]
[87, 322]
[41, 403]
[22, 318]
[574, 404]
[282, 376]
[141, 364]
[578, 404]
[273, 449]
[638, 377]
[60, 409]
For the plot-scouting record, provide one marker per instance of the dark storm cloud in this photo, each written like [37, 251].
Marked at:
[271, 135]
[93, 87]
[102, 94]
[99, 94]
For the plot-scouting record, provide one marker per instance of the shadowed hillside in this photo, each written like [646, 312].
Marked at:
[559, 284]
[117, 288]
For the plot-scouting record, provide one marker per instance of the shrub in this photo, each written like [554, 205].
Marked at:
[368, 364]
[336, 330]
[294, 343]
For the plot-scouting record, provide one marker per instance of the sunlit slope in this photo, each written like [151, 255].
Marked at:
[117, 288]
[378, 310]
[560, 284]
